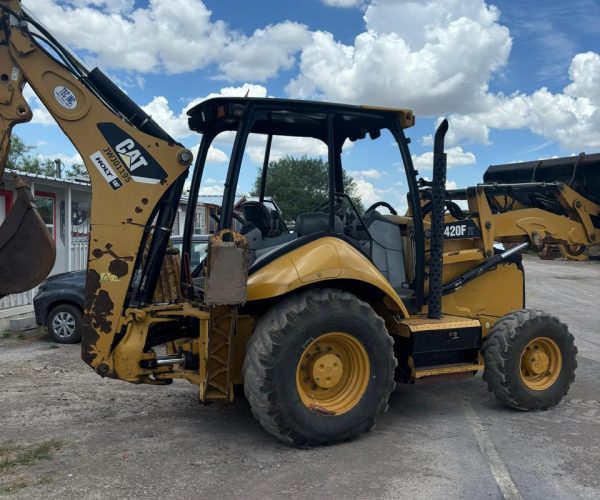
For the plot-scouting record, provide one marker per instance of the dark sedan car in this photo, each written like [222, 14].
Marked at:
[59, 305]
[59, 301]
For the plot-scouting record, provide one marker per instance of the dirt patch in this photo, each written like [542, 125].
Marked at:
[120, 440]
[15, 459]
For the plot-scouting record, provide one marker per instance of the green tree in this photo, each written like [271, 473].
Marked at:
[77, 170]
[33, 165]
[19, 158]
[300, 185]
[17, 152]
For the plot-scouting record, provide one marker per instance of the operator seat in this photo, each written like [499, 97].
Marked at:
[387, 250]
[306, 224]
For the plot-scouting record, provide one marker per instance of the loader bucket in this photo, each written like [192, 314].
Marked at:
[27, 251]
[582, 173]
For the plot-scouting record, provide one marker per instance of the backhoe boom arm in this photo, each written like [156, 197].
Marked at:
[136, 171]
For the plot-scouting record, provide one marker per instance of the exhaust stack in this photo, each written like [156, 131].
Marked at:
[436, 246]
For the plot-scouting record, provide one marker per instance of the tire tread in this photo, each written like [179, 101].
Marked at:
[267, 340]
[500, 345]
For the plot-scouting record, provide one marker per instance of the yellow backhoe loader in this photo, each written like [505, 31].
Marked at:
[318, 323]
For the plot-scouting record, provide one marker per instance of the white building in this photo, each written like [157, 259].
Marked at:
[64, 205]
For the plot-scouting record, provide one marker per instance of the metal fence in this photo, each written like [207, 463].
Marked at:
[79, 253]
[17, 300]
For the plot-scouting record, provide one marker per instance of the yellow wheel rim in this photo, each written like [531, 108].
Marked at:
[541, 362]
[333, 373]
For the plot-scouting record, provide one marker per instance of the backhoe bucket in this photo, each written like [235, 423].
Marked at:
[27, 252]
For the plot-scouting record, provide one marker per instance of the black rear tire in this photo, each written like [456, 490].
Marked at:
[65, 323]
[276, 348]
[504, 348]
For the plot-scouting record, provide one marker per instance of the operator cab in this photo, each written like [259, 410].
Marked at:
[387, 239]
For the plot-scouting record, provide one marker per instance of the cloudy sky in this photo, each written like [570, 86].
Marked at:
[517, 80]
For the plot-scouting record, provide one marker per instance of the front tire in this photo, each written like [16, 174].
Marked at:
[319, 368]
[530, 360]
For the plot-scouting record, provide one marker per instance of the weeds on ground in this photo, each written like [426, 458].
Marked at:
[12, 455]
[15, 485]
[22, 482]
[53, 346]
[6, 334]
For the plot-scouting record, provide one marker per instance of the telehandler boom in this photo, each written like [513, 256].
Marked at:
[318, 323]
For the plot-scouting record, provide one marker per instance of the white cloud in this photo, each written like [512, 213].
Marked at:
[175, 36]
[41, 116]
[462, 129]
[370, 194]
[435, 56]
[211, 186]
[571, 117]
[215, 155]
[176, 123]
[343, 3]
[116, 6]
[369, 174]
[584, 73]
[264, 53]
[438, 57]
[247, 89]
[66, 160]
[211, 190]
[284, 146]
[455, 157]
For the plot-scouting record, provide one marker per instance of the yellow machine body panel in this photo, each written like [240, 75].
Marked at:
[490, 296]
[319, 261]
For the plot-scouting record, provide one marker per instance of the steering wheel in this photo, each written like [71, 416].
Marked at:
[451, 206]
[385, 204]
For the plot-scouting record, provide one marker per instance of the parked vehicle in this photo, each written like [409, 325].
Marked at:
[59, 305]
[59, 301]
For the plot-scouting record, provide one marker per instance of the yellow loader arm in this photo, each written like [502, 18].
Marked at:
[136, 171]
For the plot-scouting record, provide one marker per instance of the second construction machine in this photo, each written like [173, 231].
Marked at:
[318, 323]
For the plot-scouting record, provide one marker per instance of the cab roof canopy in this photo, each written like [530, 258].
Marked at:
[294, 118]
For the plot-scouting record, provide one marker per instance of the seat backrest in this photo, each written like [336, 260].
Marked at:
[387, 250]
[316, 222]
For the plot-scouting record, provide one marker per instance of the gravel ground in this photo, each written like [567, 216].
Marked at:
[70, 434]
